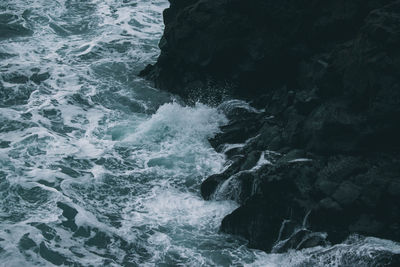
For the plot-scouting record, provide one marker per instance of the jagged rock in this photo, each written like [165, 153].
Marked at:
[254, 45]
[209, 186]
[327, 74]
[300, 239]
[239, 130]
[251, 160]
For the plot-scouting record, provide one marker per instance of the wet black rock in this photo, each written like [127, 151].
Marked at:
[238, 131]
[300, 239]
[280, 193]
[209, 186]
[255, 46]
[323, 154]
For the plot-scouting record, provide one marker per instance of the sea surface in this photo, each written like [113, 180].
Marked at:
[98, 168]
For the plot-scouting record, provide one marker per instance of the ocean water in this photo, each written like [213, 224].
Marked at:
[97, 168]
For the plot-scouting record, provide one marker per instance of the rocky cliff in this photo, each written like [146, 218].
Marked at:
[320, 160]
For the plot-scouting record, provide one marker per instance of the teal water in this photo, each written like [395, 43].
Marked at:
[97, 168]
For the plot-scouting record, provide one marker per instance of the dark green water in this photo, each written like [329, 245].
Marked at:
[97, 168]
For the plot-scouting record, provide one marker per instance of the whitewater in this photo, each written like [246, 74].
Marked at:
[97, 167]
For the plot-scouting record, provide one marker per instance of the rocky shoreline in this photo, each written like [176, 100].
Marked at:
[321, 159]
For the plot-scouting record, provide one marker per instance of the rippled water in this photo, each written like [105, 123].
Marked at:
[97, 168]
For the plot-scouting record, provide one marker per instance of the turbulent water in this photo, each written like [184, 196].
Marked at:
[97, 168]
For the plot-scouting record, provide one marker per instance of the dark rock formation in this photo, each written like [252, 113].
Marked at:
[339, 195]
[254, 46]
[327, 74]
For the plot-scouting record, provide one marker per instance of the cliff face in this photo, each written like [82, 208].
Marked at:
[254, 46]
[327, 74]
